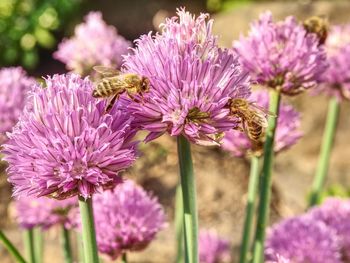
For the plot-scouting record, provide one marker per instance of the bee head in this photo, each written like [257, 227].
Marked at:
[145, 84]
[95, 94]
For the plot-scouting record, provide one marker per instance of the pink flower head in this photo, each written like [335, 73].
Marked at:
[191, 81]
[279, 259]
[282, 55]
[335, 213]
[65, 144]
[212, 248]
[287, 131]
[94, 43]
[336, 80]
[46, 212]
[126, 218]
[304, 240]
[14, 85]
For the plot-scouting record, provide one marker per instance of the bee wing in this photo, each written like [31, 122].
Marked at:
[260, 119]
[106, 71]
[262, 109]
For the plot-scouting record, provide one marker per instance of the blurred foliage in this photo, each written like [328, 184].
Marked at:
[28, 25]
[335, 191]
[223, 5]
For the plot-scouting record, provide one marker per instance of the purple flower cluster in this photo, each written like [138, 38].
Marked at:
[191, 81]
[14, 85]
[304, 240]
[126, 218]
[336, 80]
[65, 144]
[287, 131]
[212, 248]
[94, 43]
[46, 212]
[335, 213]
[282, 55]
[320, 235]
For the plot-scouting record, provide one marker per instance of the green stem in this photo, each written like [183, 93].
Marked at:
[124, 258]
[265, 190]
[67, 251]
[11, 248]
[88, 231]
[80, 248]
[29, 245]
[326, 148]
[179, 224]
[38, 244]
[252, 192]
[189, 200]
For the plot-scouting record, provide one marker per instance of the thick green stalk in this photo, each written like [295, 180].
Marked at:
[265, 190]
[189, 200]
[67, 251]
[124, 258]
[179, 222]
[88, 231]
[80, 248]
[11, 248]
[38, 244]
[326, 148]
[29, 245]
[248, 222]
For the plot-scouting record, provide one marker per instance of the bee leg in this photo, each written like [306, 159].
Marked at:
[111, 103]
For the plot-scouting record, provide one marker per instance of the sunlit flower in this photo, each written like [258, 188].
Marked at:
[14, 85]
[287, 131]
[336, 80]
[191, 81]
[46, 212]
[335, 213]
[282, 55]
[304, 240]
[212, 248]
[126, 218]
[94, 43]
[65, 144]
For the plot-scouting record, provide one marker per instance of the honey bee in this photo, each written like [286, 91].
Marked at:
[318, 25]
[252, 116]
[114, 83]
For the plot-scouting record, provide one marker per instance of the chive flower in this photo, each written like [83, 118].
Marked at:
[287, 131]
[14, 86]
[127, 218]
[282, 55]
[46, 212]
[191, 81]
[335, 213]
[336, 80]
[94, 43]
[304, 240]
[65, 144]
[212, 248]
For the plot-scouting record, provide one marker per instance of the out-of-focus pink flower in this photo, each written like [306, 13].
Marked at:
[335, 213]
[212, 248]
[65, 144]
[336, 80]
[304, 240]
[287, 131]
[94, 43]
[126, 218]
[46, 212]
[14, 86]
[282, 55]
[191, 81]
[279, 259]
